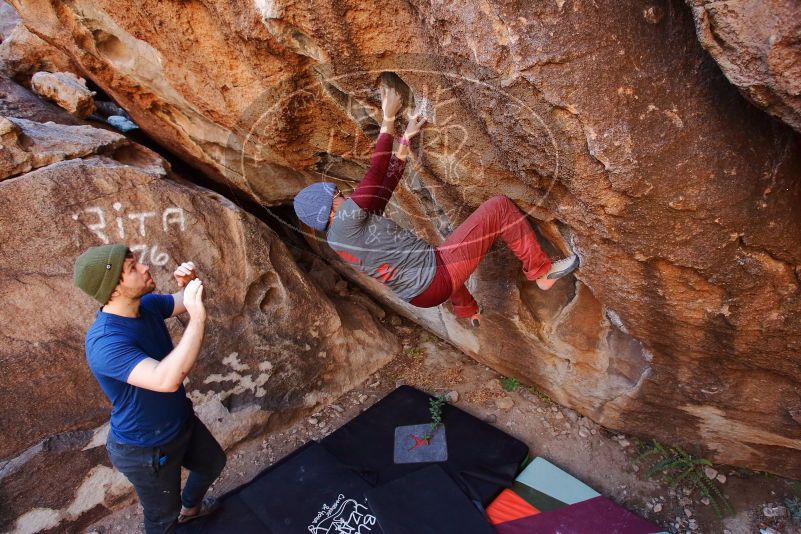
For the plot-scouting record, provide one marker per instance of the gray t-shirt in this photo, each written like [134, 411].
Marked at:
[379, 247]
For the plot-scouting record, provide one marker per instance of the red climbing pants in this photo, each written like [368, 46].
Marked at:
[460, 254]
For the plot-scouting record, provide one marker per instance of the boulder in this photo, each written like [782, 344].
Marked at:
[65, 89]
[607, 123]
[22, 53]
[13, 158]
[18, 102]
[121, 123]
[9, 19]
[757, 44]
[28, 145]
[276, 345]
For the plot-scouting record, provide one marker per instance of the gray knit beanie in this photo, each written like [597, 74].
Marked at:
[313, 204]
[97, 271]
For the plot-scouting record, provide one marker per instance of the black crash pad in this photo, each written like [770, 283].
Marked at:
[321, 488]
[481, 459]
[426, 501]
[307, 492]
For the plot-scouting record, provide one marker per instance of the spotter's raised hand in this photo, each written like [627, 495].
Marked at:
[185, 273]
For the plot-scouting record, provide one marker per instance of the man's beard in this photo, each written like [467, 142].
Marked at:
[148, 289]
[139, 293]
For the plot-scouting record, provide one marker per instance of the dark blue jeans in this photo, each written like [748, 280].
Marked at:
[155, 472]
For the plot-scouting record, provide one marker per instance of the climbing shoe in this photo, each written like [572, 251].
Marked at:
[558, 269]
[475, 319]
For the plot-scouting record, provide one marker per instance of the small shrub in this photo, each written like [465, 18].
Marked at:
[435, 409]
[416, 352]
[795, 486]
[510, 384]
[794, 509]
[744, 472]
[675, 466]
[425, 337]
[540, 394]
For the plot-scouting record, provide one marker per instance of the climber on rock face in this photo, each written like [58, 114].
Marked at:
[153, 429]
[423, 275]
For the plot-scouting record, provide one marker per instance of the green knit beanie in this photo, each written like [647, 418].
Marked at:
[97, 271]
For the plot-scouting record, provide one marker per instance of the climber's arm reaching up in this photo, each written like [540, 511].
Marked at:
[416, 123]
[380, 195]
[367, 193]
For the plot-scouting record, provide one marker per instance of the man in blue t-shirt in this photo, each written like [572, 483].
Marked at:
[153, 429]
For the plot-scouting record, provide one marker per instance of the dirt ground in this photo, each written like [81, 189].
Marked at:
[604, 460]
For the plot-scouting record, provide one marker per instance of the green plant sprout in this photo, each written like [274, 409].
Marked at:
[510, 384]
[435, 409]
[676, 466]
[425, 337]
[416, 352]
[540, 394]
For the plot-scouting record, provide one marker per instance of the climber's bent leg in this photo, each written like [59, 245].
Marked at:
[441, 289]
[463, 250]
[464, 305]
[460, 254]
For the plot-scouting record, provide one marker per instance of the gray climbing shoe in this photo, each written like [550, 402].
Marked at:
[558, 269]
